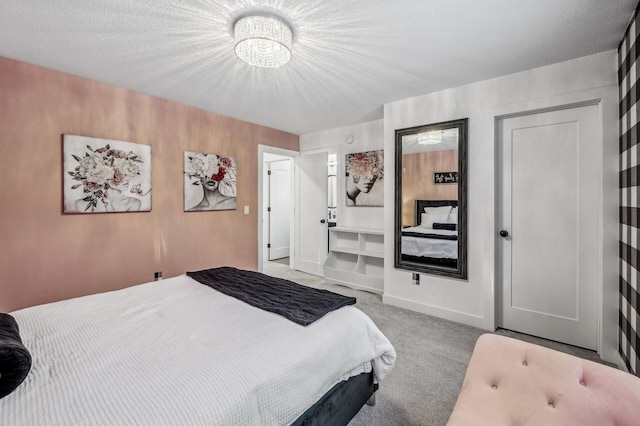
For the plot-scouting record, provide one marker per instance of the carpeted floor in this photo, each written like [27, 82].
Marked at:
[432, 357]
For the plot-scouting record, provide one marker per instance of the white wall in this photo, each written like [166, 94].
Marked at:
[473, 301]
[366, 137]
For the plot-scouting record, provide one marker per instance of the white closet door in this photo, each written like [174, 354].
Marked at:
[549, 207]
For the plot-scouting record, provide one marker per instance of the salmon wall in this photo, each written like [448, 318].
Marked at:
[49, 256]
[417, 179]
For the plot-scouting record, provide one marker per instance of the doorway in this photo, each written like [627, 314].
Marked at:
[278, 208]
[268, 155]
[548, 216]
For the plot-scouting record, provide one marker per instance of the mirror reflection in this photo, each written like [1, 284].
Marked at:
[430, 204]
[332, 189]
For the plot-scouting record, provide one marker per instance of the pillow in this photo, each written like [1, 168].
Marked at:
[427, 220]
[447, 226]
[454, 211]
[453, 218]
[438, 210]
[15, 359]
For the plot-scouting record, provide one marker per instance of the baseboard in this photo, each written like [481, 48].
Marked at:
[356, 286]
[435, 311]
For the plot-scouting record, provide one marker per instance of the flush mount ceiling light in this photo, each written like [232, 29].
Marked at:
[262, 41]
[430, 138]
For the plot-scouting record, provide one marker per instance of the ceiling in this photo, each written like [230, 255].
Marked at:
[350, 57]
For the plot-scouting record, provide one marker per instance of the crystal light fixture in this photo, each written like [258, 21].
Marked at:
[430, 138]
[262, 41]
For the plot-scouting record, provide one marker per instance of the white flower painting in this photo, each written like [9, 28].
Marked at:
[209, 182]
[103, 176]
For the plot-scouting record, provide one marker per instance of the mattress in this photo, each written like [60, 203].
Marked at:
[429, 247]
[176, 352]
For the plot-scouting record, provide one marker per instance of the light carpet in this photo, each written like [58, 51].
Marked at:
[432, 357]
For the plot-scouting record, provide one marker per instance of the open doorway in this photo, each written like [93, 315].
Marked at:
[275, 206]
[277, 221]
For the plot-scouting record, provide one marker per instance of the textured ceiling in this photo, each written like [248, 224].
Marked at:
[349, 56]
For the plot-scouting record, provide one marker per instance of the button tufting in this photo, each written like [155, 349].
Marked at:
[551, 404]
[494, 386]
[583, 383]
[525, 363]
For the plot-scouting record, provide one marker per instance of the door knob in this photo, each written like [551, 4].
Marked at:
[504, 233]
[322, 221]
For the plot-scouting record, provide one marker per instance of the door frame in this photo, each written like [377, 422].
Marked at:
[607, 233]
[500, 221]
[262, 149]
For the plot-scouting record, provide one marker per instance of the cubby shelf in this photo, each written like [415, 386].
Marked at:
[356, 258]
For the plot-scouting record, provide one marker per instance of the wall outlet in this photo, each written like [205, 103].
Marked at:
[415, 279]
[157, 276]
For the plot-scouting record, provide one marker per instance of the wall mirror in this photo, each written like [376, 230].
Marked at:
[430, 199]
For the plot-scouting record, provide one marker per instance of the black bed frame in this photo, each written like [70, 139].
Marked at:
[438, 261]
[338, 406]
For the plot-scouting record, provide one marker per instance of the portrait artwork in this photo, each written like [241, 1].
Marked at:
[364, 179]
[105, 176]
[209, 182]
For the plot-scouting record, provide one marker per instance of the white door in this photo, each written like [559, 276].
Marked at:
[548, 195]
[311, 235]
[279, 208]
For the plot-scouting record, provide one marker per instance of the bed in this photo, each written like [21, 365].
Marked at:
[435, 242]
[179, 352]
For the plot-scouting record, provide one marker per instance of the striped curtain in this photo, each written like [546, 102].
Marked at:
[629, 320]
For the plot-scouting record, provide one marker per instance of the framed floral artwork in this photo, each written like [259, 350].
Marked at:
[364, 174]
[209, 182]
[104, 176]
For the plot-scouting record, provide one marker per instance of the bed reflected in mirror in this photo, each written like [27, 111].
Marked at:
[430, 199]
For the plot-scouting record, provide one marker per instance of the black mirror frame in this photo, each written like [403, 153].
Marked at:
[460, 272]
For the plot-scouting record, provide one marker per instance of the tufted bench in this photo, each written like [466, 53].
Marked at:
[511, 382]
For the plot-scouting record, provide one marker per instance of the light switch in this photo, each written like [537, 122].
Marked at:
[246, 209]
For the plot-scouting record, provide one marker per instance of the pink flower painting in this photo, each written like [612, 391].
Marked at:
[100, 174]
[364, 172]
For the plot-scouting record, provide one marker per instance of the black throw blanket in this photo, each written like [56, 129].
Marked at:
[15, 359]
[434, 236]
[300, 304]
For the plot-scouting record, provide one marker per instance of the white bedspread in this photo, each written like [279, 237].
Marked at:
[176, 352]
[429, 247]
